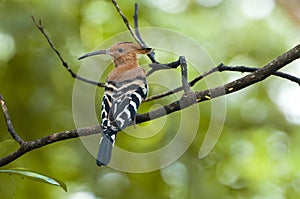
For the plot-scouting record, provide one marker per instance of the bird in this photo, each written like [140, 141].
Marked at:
[125, 89]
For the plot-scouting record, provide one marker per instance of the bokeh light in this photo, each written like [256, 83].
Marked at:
[7, 47]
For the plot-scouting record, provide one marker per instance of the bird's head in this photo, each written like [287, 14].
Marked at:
[121, 49]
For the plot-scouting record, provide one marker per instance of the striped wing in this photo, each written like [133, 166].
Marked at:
[120, 103]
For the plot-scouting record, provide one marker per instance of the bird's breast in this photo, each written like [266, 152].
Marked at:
[121, 74]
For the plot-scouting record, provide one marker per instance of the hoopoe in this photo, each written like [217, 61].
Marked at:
[125, 88]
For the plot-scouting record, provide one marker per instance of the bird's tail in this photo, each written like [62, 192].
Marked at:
[105, 149]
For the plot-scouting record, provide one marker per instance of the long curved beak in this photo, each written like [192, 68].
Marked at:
[98, 52]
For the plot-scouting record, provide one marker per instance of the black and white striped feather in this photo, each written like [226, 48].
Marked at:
[119, 108]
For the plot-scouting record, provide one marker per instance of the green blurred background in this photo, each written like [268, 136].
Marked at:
[257, 155]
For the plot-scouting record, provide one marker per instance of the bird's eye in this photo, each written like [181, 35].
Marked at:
[120, 50]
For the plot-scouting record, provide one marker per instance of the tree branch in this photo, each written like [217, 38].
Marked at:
[242, 69]
[189, 98]
[138, 34]
[56, 137]
[40, 26]
[185, 101]
[264, 72]
[256, 76]
[221, 68]
[9, 125]
[127, 23]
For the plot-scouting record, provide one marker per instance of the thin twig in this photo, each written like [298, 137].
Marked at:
[127, 23]
[242, 69]
[178, 89]
[9, 125]
[136, 25]
[158, 66]
[138, 34]
[135, 34]
[197, 79]
[40, 26]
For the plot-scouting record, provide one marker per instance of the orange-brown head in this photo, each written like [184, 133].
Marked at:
[122, 53]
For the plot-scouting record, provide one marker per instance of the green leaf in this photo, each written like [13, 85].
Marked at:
[32, 175]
